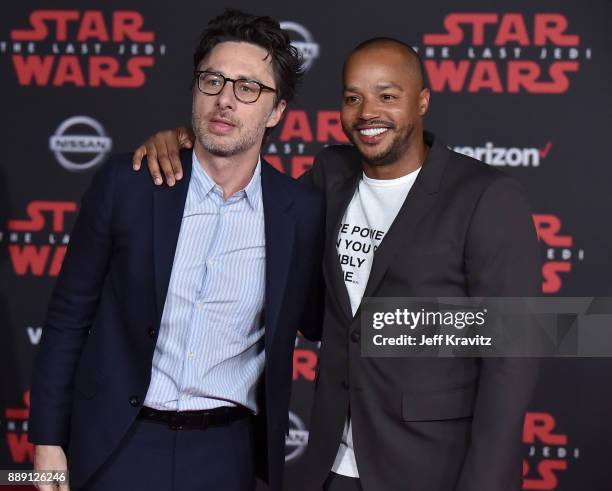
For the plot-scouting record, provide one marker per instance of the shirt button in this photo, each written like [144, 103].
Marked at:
[355, 336]
[134, 401]
[345, 385]
[209, 262]
[190, 354]
[151, 332]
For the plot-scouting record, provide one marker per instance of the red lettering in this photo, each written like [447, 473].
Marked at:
[560, 81]
[552, 279]
[304, 364]
[547, 478]
[551, 27]
[127, 25]
[29, 258]
[275, 161]
[548, 29]
[36, 220]
[522, 75]
[58, 259]
[135, 67]
[102, 69]
[33, 67]
[21, 414]
[39, 30]
[548, 227]
[68, 71]
[478, 22]
[485, 76]
[525, 74]
[512, 29]
[329, 126]
[300, 164]
[447, 72]
[21, 448]
[541, 426]
[296, 125]
[454, 32]
[92, 27]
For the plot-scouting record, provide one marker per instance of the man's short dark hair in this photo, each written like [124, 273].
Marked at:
[408, 50]
[234, 25]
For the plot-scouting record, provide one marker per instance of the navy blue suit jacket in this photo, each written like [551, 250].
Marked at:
[93, 368]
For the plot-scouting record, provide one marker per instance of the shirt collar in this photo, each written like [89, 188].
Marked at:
[253, 188]
[204, 185]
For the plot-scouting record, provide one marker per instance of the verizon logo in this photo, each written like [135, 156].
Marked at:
[507, 156]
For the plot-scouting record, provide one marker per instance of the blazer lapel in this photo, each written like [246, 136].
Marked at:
[338, 198]
[168, 207]
[280, 236]
[418, 202]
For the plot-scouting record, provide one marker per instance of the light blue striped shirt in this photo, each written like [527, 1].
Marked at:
[210, 347]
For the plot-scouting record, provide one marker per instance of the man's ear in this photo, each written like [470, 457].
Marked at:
[423, 101]
[276, 114]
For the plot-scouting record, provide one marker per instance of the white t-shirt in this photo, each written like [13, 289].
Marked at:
[368, 217]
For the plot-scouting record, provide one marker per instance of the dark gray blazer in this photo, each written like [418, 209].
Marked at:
[421, 424]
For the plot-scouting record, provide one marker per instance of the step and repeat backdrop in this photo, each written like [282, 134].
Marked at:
[524, 86]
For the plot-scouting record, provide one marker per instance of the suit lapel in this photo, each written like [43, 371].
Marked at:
[168, 207]
[338, 198]
[280, 236]
[420, 199]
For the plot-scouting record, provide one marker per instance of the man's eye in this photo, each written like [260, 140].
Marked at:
[389, 97]
[351, 99]
[248, 88]
[213, 82]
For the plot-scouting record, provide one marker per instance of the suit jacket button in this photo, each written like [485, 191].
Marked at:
[345, 385]
[134, 401]
[355, 336]
[151, 332]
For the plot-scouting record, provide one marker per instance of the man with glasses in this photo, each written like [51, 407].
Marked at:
[171, 301]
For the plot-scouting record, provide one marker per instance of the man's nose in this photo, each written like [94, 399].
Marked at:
[369, 109]
[226, 98]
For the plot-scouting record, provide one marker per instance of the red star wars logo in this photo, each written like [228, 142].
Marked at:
[37, 245]
[503, 53]
[548, 452]
[22, 451]
[300, 136]
[82, 48]
[560, 252]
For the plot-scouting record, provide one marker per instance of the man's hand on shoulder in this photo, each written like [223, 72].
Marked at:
[50, 458]
[162, 152]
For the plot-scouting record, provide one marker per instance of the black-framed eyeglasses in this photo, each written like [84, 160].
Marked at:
[245, 90]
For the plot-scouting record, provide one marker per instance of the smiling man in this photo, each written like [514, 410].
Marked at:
[438, 225]
[407, 217]
[172, 301]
